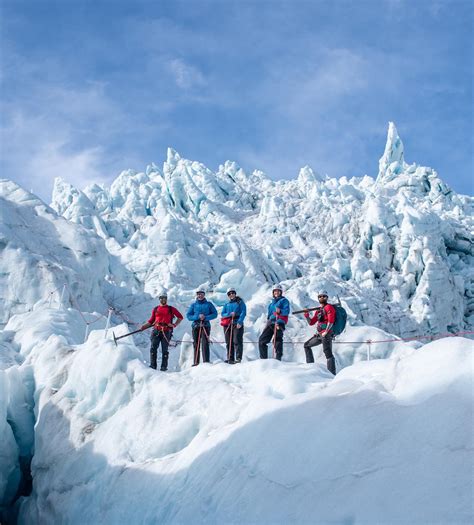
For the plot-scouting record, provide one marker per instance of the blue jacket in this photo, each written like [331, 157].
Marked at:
[201, 307]
[284, 305]
[237, 306]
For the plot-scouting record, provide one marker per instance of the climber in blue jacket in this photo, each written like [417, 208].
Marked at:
[232, 320]
[201, 312]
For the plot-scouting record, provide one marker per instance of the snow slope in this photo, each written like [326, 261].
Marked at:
[386, 441]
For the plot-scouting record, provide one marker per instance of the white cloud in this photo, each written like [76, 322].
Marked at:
[186, 76]
[38, 152]
[79, 168]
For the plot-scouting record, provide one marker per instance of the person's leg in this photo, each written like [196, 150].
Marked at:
[155, 341]
[232, 330]
[197, 335]
[327, 349]
[313, 341]
[279, 342]
[239, 343]
[227, 342]
[205, 336]
[165, 341]
[264, 339]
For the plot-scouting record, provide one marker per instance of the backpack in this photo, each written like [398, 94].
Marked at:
[341, 319]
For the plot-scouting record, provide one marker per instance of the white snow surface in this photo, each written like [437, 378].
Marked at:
[386, 441]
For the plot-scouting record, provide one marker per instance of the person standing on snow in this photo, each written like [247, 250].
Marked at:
[324, 318]
[232, 319]
[278, 312]
[201, 312]
[161, 319]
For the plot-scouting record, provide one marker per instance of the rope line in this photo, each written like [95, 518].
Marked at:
[366, 341]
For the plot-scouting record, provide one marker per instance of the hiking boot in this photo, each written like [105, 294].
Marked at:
[331, 364]
[238, 360]
[163, 369]
[229, 361]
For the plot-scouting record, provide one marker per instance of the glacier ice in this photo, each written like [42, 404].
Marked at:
[100, 429]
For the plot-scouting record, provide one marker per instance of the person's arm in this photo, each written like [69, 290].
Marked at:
[178, 315]
[311, 320]
[190, 315]
[225, 313]
[243, 313]
[331, 318]
[284, 307]
[212, 312]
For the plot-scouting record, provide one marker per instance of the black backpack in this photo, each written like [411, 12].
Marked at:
[341, 319]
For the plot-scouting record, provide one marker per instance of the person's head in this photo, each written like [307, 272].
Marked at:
[200, 294]
[231, 293]
[277, 290]
[163, 297]
[323, 297]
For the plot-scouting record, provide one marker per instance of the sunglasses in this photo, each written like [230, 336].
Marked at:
[231, 293]
[319, 296]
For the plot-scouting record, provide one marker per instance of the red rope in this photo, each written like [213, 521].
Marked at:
[438, 336]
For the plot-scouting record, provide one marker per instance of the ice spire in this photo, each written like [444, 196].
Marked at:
[392, 161]
[172, 157]
[307, 174]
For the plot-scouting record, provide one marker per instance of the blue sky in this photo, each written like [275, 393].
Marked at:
[90, 88]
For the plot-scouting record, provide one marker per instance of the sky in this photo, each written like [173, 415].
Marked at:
[91, 88]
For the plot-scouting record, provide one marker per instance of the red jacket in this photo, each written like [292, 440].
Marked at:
[323, 316]
[164, 315]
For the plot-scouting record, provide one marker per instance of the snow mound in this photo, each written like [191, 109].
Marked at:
[384, 441]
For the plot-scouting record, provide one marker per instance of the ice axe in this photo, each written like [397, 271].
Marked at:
[307, 310]
[315, 308]
[126, 335]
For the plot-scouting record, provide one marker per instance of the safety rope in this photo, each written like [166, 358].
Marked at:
[368, 341]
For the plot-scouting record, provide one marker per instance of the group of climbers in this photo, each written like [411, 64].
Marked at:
[201, 312]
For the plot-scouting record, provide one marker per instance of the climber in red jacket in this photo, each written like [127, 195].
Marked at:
[324, 318]
[162, 320]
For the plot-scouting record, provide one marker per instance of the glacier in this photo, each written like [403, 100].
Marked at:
[91, 435]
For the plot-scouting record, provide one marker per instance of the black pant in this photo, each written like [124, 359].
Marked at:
[201, 335]
[157, 337]
[234, 347]
[266, 336]
[326, 341]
